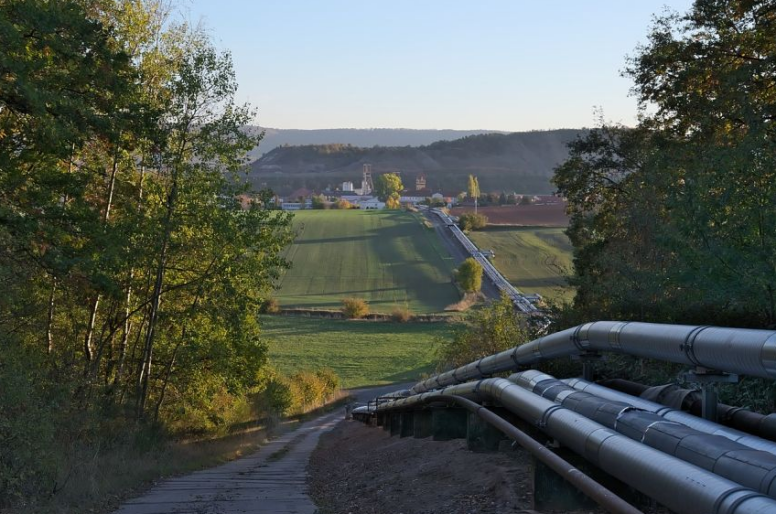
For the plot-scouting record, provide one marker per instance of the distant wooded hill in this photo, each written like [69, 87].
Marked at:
[356, 137]
[521, 162]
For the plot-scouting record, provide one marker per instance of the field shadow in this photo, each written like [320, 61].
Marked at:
[333, 239]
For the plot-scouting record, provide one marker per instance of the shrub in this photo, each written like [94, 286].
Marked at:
[470, 221]
[270, 306]
[277, 397]
[330, 380]
[401, 315]
[354, 308]
[486, 331]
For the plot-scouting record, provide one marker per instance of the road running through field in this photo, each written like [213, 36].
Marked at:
[272, 480]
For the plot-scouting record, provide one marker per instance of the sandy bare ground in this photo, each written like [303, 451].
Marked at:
[359, 469]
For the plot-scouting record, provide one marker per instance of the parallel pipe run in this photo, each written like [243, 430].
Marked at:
[592, 489]
[735, 350]
[682, 487]
[700, 424]
[761, 425]
[726, 458]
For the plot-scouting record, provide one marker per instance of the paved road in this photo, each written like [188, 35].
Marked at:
[272, 480]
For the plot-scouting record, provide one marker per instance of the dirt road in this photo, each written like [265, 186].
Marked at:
[272, 480]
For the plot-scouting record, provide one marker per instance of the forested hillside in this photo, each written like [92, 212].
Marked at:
[356, 137]
[514, 162]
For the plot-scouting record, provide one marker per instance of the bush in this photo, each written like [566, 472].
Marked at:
[401, 315]
[354, 308]
[470, 221]
[330, 379]
[270, 306]
[277, 397]
[486, 331]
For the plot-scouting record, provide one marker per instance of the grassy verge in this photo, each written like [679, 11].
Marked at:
[534, 259]
[101, 482]
[360, 352]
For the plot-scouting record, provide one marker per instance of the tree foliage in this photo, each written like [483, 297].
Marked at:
[472, 221]
[388, 185]
[131, 274]
[469, 275]
[393, 201]
[488, 330]
[673, 220]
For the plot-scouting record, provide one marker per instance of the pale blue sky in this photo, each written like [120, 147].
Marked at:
[508, 65]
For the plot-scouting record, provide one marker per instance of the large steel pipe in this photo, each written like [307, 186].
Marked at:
[751, 468]
[680, 486]
[700, 424]
[574, 476]
[735, 350]
[690, 400]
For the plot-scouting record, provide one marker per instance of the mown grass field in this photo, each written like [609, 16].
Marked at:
[388, 258]
[534, 259]
[361, 352]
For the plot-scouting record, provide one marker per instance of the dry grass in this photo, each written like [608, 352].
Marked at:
[100, 481]
[468, 301]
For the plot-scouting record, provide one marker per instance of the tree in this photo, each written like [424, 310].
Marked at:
[673, 221]
[469, 275]
[474, 190]
[387, 184]
[319, 202]
[393, 201]
[489, 330]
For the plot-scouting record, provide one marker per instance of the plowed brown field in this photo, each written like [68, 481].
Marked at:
[542, 215]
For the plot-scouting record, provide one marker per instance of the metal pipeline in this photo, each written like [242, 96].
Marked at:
[751, 468]
[735, 350]
[700, 424]
[689, 400]
[592, 489]
[680, 486]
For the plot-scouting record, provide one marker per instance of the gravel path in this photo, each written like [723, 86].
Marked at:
[272, 480]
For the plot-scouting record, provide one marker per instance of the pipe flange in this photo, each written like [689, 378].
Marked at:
[546, 415]
[514, 358]
[689, 342]
[768, 355]
[614, 335]
[738, 501]
[594, 442]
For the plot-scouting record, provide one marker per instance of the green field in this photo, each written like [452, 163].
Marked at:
[388, 258]
[361, 352]
[534, 259]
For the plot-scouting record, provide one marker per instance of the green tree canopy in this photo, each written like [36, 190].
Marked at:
[470, 275]
[387, 184]
[673, 220]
